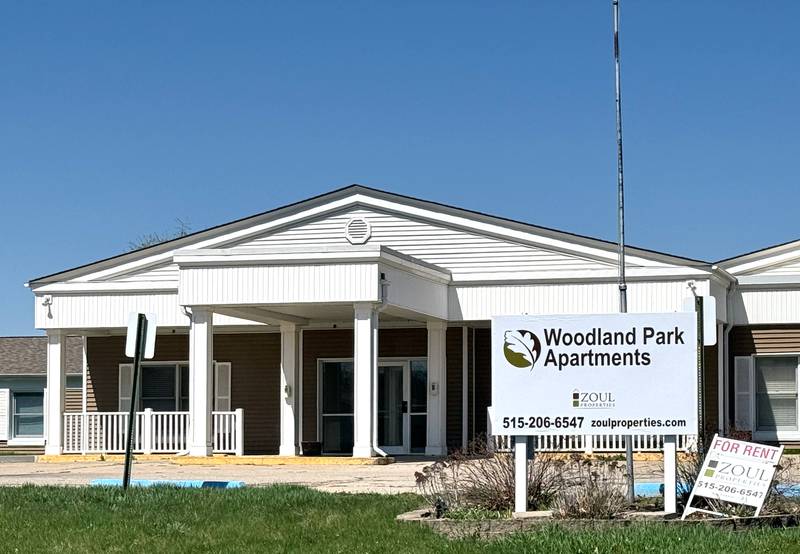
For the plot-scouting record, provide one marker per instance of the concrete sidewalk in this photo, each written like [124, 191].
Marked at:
[387, 479]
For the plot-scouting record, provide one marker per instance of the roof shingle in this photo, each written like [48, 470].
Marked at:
[28, 355]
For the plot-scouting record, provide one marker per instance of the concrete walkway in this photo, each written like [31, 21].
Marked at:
[387, 479]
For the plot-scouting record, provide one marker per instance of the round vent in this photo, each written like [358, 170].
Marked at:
[357, 230]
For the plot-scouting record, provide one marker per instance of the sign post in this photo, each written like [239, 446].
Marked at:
[520, 474]
[140, 343]
[735, 471]
[605, 374]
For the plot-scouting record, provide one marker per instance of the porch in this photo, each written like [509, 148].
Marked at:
[154, 432]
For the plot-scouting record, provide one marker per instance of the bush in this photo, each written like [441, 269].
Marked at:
[593, 491]
[479, 479]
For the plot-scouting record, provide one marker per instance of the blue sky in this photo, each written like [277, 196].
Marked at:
[118, 117]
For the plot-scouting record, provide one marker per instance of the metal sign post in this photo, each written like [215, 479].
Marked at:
[141, 338]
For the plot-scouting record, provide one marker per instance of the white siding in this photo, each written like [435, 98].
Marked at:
[766, 306]
[279, 284]
[481, 302]
[165, 273]
[461, 252]
[416, 293]
[83, 311]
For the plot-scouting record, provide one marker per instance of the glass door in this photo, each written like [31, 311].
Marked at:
[337, 382]
[393, 429]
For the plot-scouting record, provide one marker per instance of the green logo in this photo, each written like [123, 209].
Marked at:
[521, 348]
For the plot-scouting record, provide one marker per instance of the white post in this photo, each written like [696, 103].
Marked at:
[288, 392]
[84, 432]
[520, 474]
[364, 349]
[239, 432]
[56, 376]
[437, 401]
[670, 474]
[147, 431]
[201, 377]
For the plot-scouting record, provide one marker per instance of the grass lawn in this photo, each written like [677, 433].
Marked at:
[296, 519]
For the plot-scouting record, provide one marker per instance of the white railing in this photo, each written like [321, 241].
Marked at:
[587, 443]
[229, 432]
[154, 432]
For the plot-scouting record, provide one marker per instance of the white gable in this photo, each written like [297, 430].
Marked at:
[463, 253]
[471, 247]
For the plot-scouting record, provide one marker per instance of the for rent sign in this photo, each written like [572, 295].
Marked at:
[596, 374]
[736, 471]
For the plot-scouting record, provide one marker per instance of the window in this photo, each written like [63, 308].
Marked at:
[158, 388]
[28, 414]
[776, 393]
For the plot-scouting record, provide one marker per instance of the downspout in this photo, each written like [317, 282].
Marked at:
[727, 328]
[384, 284]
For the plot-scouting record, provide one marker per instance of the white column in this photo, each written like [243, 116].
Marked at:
[437, 390]
[201, 378]
[288, 392]
[56, 376]
[365, 347]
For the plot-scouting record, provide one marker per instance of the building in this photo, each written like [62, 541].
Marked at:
[360, 319]
[23, 381]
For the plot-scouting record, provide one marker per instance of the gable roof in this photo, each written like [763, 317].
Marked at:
[354, 191]
[28, 355]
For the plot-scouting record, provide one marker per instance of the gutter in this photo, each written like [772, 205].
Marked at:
[733, 284]
[384, 284]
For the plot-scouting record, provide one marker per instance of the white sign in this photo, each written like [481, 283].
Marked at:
[150, 339]
[736, 471]
[616, 374]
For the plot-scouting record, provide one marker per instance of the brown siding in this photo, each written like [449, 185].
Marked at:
[454, 381]
[255, 386]
[483, 378]
[338, 343]
[255, 378]
[73, 400]
[759, 339]
[764, 340]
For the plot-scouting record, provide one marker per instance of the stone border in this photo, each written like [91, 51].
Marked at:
[530, 521]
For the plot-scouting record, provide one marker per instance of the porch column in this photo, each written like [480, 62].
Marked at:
[56, 376]
[437, 390]
[201, 378]
[365, 350]
[288, 392]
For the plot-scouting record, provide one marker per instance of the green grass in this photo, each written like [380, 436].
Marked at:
[296, 519]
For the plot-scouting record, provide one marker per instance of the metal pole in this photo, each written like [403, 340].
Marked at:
[623, 287]
[141, 337]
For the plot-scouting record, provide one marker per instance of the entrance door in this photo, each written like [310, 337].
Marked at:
[393, 393]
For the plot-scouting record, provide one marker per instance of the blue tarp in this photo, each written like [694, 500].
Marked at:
[184, 484]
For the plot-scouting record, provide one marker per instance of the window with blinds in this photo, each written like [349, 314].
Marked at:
[776, 393]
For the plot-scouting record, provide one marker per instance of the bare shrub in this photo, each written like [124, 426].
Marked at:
[593, 491]
[482, 480]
